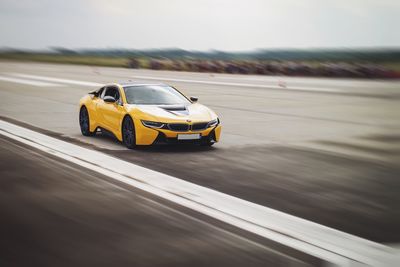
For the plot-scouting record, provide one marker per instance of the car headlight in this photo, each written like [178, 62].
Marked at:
[153, 124]
[213, 123]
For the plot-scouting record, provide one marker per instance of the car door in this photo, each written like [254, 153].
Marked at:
[111, 114]
[94, 113]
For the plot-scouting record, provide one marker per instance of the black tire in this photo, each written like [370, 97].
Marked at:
[84, 122]
[128, 133]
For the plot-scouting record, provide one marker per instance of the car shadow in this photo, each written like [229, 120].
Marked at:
[175, 148]
[158, 148]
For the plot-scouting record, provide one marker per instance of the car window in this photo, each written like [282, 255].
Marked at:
[154, 95]
[103, 90]
[100, 92]
[111, 91]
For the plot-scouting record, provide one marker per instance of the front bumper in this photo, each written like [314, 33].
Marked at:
[149, 136]
[163, 139]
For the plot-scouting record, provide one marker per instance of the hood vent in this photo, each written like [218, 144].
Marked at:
[179, 110]
[173, 107]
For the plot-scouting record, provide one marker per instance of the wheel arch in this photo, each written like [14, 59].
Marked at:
[91, 132]
[127, 115]
[92, 119]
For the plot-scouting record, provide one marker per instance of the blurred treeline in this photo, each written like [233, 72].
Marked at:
[370, 55]
[359, 63]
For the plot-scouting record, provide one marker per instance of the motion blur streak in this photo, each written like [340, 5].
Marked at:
[326, 157]
[68, 81]
[241, 84]
[24, 81]
[328, 244]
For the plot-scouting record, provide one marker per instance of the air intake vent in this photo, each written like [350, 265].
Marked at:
[174, 108]
[199, 126]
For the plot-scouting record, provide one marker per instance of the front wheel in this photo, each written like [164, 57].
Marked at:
[128, 133]
[84, 122]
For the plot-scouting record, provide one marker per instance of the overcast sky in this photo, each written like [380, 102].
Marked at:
[230, 25]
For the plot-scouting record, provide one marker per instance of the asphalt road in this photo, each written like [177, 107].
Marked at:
[54, 213]
[321, 149]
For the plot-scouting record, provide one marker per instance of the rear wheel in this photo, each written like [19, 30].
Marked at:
[128, 132]
[84, 122]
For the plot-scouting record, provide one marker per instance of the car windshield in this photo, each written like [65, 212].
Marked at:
[154, 95]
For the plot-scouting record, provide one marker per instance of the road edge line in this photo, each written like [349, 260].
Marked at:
[190, 196]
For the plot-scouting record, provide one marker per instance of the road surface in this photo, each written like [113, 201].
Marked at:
[320, 149]
[57, 214]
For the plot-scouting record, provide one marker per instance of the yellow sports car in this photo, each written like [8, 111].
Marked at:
[145, 114]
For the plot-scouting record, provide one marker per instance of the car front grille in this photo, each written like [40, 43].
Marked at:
[184, 127]
[179, 127]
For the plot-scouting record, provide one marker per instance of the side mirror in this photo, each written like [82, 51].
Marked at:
[109, 99]
[194, 99]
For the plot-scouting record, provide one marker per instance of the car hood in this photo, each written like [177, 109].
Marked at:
[173, 113]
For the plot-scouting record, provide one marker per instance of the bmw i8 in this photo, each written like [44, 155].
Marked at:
[145, 114]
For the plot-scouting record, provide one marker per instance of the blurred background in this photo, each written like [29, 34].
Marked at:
[296, 38]
[308, 94]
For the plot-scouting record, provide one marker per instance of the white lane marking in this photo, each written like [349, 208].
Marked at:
[300, 88]
[25, 81]
[136, 182]
[52, 79]
[320, 241]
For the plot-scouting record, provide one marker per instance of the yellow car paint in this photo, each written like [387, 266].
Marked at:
[109, 116]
